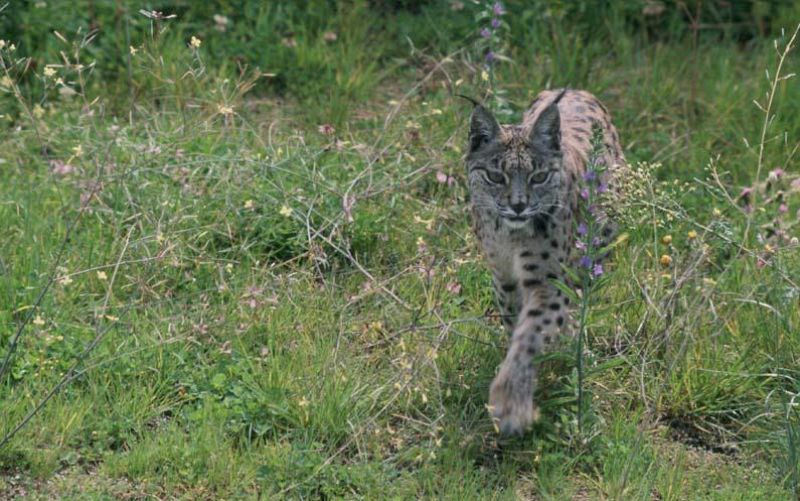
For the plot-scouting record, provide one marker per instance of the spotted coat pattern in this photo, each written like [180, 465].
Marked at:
[524, 185]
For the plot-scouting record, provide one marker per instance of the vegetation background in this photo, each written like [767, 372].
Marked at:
[235, 257]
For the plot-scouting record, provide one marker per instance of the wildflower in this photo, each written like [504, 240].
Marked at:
[443, 178]
[495, 23]
[195, 42]
[326, 129]
[716, 212]
[49, 71]
[101, 275]
[133, 50]
[38, 320]
[665, 260]
[597, 270]
[285, 211]
[602, 188]
[6, 82]
[453, 288]
[330, 36]
[490, 57]
[2, 43]
[580, 245]
[249, 204]
[484, 77]
[745, 193]
[783, 208]
[221, 22]
[498, 9]
[38, 111]
[486, 33]
[585, 194]
[289, 42]
[776, 173]
[582, 229]
[794, 241]
[666, 239]
[65, 280]
[589, 176]
[224, 109]
[586, 262]
[60, 167]
[691, 235]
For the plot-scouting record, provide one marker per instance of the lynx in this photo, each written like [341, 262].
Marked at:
[524, 183]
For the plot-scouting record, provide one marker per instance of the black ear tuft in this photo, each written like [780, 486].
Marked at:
[545, 135]
[483, 128]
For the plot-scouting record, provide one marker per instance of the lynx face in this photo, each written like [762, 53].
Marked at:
[515, 173]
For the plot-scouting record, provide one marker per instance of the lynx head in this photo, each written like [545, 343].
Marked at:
[513, 172]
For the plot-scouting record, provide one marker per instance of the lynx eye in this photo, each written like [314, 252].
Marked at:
[539, 177]
[495, 176]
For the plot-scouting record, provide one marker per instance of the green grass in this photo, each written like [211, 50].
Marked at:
[281, 313]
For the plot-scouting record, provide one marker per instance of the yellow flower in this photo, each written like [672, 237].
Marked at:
[666, 239]
[249, 204]
[665, 260]
[484, 76]
[285, 211]
[133, 50]
[37, 320]
[716, 212]
[77, 150]
[65, 280]
[691, 235]
[224, 109]
[195, 42]
[101, 275]
[49, 71]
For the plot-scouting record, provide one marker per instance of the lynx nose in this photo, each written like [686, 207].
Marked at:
[518, 207]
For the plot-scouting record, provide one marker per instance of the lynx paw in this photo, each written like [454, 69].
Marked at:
[511, 401]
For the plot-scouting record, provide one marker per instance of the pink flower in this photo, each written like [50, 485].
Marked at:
[454, 288]
[326, 129]
[778, 172]
[783, 208]
[61, 168]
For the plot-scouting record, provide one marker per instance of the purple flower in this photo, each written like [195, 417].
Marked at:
[495, 23]
[777, 172]
[580, 245]
[498, 9]
[582, 229]
[585, 194]
[586, 262]
[589, 176]
[597, 270]
[596, 242]
[485, 33]
[602, 188]
[489, 57]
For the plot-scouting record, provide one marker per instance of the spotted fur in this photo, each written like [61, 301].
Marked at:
[524, 185]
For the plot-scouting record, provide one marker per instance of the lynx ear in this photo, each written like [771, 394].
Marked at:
[483, 128]
[545, 135]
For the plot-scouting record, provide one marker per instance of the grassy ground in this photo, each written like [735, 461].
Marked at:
[261, 294]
